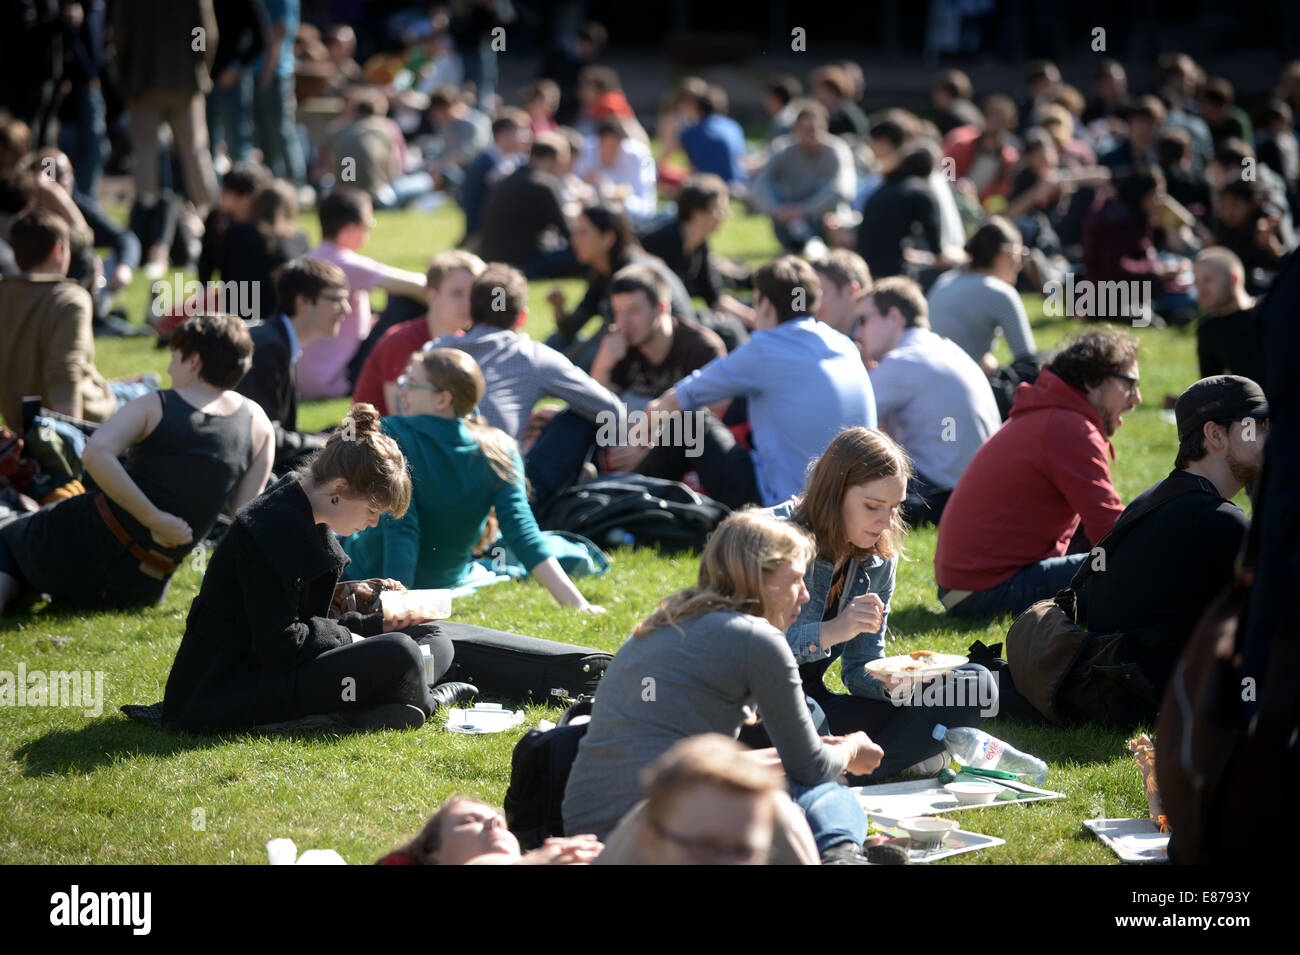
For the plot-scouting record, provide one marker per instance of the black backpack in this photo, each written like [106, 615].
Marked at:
[635, 509]
[539, 771]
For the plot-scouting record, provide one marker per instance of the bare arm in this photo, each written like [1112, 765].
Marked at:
[551, 575]
[254, 480]
[131, 425]
[401, 282]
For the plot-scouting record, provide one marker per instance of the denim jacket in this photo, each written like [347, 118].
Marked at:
[873, 575]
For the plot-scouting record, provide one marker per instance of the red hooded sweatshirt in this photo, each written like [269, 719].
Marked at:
[1022, 496]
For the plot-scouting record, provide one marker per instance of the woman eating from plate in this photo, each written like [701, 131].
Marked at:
[851, 507]
[699, 664]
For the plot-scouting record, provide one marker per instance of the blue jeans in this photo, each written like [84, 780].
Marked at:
[833, 812]
[229, 117]
[1022, 589]
[273, 128]
[404, 189]
[130, 390]
[86, 140]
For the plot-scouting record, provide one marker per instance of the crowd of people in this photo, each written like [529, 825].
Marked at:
[847, 389]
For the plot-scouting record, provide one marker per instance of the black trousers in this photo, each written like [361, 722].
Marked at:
[725, 468]
[903, 732]
[386, 668]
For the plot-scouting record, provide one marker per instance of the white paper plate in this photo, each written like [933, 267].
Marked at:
[904, 667]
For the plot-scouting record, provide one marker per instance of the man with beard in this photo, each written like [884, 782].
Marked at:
[1175, 560]
[1006, 532]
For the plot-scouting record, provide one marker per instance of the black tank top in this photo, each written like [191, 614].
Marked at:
[188, 466]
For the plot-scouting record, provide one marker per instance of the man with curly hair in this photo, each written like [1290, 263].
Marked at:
[1006, 533]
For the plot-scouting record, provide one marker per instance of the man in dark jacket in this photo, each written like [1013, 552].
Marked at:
[1163, 574]
[525, 205]
[312, 298]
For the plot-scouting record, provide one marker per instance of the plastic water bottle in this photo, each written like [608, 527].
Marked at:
[979, 750]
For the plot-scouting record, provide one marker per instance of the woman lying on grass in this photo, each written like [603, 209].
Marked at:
[186, 454]
[460, 470]
[851, 506]
[467, 832]
[259, 650]
[695, 665]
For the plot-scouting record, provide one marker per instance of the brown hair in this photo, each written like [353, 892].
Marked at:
[275, 209]
[843, 266]
[34, 235]
[429, 839]
[745, 546]
[499, 294]
[779, 280]
[369, 460]
[1088, 360]
[307, 278]
[223, 345]
[643, 279]
[856, 456]
[454, 371]
[711, 760]
[902, 293]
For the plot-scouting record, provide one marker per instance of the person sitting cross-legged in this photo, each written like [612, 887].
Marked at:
[259, 649]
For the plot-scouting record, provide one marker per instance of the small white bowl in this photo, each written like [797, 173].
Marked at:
[927, 832]
[974, 794]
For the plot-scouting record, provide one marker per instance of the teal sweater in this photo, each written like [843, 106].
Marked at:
[453, 487]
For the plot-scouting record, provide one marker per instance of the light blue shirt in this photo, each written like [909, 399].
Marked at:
[805, 383]
[936, 402]
[295, 349]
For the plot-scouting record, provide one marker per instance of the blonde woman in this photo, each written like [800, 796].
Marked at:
[259, 649]
[697, 664]
[461, 469]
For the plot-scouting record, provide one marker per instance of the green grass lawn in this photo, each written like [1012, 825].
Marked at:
[79, 789]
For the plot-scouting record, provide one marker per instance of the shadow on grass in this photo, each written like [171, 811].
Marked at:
[920, 619]
[103, 742]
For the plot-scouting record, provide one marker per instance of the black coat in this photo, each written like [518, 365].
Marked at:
[260, 614]
[273, 383]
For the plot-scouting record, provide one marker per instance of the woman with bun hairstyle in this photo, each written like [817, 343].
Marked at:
[851, 506]
[259, 650]
[461, 469]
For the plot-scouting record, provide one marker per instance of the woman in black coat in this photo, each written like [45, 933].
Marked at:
[259, 649]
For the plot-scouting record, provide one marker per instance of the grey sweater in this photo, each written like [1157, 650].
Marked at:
[671, 684]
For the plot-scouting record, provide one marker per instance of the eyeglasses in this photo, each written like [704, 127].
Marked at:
[703, 849]
[1132, 383]
[404, 383]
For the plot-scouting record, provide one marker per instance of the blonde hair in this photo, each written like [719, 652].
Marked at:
[367, 459]
[453, 260]
[745, 547]
[710, 759]
[856, 456]
[454, 371]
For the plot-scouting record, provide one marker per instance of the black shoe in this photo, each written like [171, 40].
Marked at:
[116, 326]
[448, 694]
[886, 855]
[384, 716]
[844, 853]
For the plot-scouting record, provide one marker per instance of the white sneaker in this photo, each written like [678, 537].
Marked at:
[926, 768]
